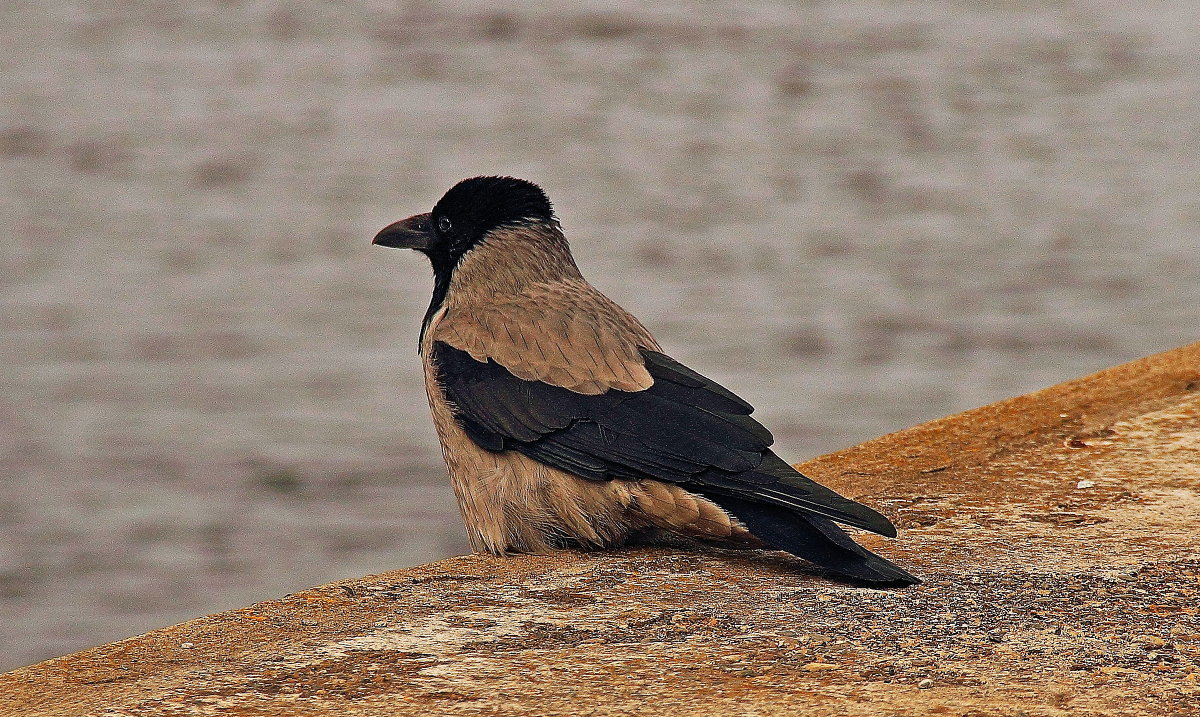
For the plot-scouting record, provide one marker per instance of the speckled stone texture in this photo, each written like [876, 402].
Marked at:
[1058, 534]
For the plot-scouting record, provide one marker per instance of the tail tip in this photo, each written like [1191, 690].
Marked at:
[875, 572]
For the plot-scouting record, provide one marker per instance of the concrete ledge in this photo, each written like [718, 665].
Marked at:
[1058, 533]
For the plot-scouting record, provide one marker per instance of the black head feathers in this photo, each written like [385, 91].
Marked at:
[463, 218]
[465, 215]
[478, 205]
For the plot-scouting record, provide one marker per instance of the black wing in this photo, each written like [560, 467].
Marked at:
[684, 429]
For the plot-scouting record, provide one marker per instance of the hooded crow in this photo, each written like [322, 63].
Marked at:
[563, 423]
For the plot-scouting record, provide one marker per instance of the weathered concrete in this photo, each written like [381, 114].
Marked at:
[1058, 533]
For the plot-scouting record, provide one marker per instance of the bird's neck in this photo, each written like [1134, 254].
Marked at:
[506, 263]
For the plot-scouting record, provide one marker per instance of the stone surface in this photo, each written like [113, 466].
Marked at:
[1058, 534]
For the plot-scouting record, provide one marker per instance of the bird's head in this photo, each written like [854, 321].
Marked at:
[464, 217]
[486, 236]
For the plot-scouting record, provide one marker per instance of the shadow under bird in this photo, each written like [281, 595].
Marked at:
[563, 423]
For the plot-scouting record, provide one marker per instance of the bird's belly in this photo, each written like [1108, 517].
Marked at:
[510, 502]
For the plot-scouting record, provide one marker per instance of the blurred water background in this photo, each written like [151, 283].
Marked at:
[860, 215]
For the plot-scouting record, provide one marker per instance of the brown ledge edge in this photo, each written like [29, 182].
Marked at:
[1058, 534]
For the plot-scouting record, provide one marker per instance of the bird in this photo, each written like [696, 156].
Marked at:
[563, 424]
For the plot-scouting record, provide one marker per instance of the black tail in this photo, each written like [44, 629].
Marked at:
[815, 539]
[775, 482]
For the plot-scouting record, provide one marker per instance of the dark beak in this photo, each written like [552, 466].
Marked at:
[412, 233]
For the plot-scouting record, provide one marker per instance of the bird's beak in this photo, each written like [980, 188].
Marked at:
[412, 233]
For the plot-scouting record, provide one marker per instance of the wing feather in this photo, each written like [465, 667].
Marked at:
[565, 334]
[682, 428]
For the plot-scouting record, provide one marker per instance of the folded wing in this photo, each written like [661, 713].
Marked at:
[684, 428]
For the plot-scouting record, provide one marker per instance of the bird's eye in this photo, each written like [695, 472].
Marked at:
[444, 225]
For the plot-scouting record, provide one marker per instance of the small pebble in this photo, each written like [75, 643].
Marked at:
[925, 684]
[1085, 484]
[188, 645]
[819, 666]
